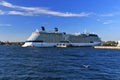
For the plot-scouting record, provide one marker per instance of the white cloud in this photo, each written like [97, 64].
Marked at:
[115, 13]
[4, 3]
[2, 12]
[31, 11]
[105, 21]
[3, 25]
[98, 20]
[19, 13]
[108, 15]
[108, 22]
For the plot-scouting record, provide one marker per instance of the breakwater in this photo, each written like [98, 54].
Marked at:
[107, 47]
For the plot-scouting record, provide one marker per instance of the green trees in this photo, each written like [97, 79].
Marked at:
[109, 43]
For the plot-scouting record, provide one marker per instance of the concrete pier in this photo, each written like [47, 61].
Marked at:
[107, 47]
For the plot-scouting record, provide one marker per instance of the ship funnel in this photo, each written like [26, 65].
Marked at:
[43, 28]
[56, 29]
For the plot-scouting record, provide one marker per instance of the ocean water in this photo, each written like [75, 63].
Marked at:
[17, 63]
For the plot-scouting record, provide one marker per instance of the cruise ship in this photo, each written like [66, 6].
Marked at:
[43, 38]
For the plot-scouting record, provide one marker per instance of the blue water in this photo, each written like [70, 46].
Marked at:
[17, 63]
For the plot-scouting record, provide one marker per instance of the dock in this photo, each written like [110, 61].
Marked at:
[107, 47]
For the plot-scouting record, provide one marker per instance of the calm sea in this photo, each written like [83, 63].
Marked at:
[17, 63]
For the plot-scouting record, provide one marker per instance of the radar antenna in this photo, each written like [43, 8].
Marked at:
[85, 31]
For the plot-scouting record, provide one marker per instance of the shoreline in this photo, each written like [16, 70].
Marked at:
[106, 47]
[12, 43]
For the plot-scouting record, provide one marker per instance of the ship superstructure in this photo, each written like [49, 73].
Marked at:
[55, 38]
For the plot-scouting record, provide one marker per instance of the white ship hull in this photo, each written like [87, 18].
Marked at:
[38, 44]
[61, 39]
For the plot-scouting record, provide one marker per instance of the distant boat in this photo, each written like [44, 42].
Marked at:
[62, 45]
[55, 38]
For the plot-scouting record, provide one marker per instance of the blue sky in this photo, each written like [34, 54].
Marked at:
[19, 18]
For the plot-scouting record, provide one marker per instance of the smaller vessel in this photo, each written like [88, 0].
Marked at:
[62, 45]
